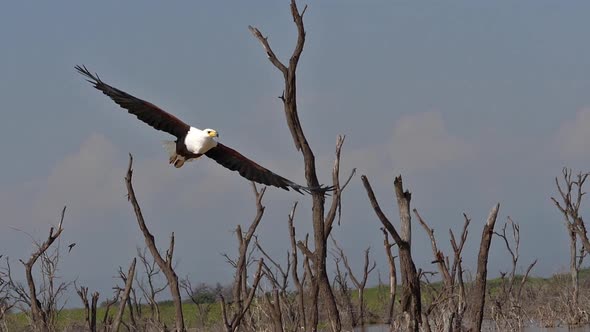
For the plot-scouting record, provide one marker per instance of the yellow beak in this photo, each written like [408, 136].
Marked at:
[213, 133]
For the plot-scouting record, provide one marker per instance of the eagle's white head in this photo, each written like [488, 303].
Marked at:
[211, 132]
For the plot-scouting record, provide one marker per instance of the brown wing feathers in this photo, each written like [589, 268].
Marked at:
[143, 110]
[233, 160]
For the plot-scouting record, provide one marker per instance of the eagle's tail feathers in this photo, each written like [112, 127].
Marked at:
[174, 159]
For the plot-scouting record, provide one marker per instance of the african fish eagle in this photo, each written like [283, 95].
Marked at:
[191, 143]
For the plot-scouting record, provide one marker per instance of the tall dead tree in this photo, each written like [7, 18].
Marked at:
[475, 310]
[570, 195]
[410, 301]
[322, 224]
[164, 264]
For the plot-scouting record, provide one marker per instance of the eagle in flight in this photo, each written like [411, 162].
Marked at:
[191, 143]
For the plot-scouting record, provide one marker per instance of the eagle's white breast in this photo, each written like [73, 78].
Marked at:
[198, 141]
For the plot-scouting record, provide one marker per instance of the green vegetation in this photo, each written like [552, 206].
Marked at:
[375, 299]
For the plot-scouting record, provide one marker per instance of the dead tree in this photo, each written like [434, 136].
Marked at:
[570, 195]
[298, 282]
[452, 299]
[107, 319]
[131, 301]
[282, 309]
[89, 307]
[232, 321]
[411, 303]
[322, 224]
[43, 315]
[507, 306]
[344, 292]
[165, 264]
[6, 300]
[148, 287]
[475, 310]
[359, 284]
[392, 276]
[234, 312]
[125, 296]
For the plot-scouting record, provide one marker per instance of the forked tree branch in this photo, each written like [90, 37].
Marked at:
[384, 220]
[289, 96]
[336, 206]
[294, 269]
[410, 298]
[39, 316]
[164, 264]
[125, 297]
[440, 258]
[233, 323]
[320, 282]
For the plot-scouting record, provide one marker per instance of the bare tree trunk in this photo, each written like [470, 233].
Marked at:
[125, 296]
[302, 320]
[321, 225]
[479, 291]
[574, 268]
[83, 294]
[392, 277]
[164, 264]
[89, 309]
[410, 299]
[93, 307]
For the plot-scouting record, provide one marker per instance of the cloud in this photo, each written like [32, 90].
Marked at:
[573, 136]
[421, 141]
[89, 180]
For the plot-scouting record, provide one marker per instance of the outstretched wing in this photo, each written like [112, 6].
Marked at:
[233, 160]
[144, 111]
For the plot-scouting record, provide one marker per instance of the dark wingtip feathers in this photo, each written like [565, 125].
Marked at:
[94, 79]
[301, 189]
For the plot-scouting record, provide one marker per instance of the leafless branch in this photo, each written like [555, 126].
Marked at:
[39, 315]
[321, 282]
[125, 297]
[164, 264]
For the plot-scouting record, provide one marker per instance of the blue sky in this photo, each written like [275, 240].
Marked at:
[472, 102]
